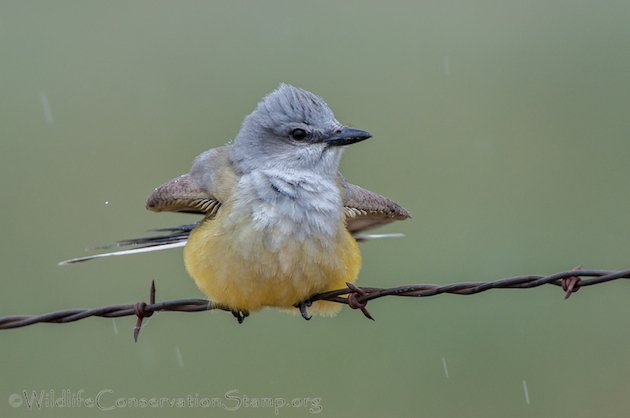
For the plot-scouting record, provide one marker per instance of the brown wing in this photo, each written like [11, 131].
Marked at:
[366, 210]
[202, 191]
[182, 194]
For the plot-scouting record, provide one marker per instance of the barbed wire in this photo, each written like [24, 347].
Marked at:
[354, 296]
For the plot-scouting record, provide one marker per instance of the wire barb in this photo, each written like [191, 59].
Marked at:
[571, 284]
[355, 300]
[353, 296]
[142, 312]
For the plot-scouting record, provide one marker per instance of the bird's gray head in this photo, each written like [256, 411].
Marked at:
[293, 129]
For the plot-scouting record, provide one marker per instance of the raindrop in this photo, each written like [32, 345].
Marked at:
[526, 392]
[46, 106]
[445, 367]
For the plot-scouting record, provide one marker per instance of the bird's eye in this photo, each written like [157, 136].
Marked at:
[299, 134]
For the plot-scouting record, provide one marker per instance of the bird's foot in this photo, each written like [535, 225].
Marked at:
[302, 306]
[240, 315]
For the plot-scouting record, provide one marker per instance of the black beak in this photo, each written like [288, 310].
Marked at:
[347, 136]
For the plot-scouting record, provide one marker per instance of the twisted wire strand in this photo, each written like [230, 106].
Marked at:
[355, 297]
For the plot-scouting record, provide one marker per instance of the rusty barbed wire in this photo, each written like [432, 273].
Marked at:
[354, 296]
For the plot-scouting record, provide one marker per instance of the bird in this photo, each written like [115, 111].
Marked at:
[279, 221]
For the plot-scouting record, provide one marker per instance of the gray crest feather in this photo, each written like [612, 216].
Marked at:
[289, 104]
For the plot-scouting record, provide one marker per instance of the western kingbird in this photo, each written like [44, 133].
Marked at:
[280, 222]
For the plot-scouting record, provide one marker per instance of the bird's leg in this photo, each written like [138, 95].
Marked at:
[302, 307]
[240, 315]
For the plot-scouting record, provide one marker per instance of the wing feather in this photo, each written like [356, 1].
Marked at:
[366, 210]
[183, 194]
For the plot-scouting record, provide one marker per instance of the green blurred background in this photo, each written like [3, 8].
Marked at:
[503, 126]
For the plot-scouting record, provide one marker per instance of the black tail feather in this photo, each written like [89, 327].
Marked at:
[179, 233]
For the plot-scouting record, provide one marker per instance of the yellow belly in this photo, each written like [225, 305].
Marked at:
[237, 267]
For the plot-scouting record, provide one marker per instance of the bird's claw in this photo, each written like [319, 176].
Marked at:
[240, 315]
[302, 306]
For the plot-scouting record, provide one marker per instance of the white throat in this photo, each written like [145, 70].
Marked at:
[287, 205]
